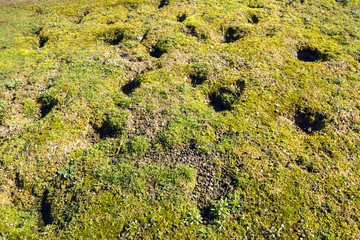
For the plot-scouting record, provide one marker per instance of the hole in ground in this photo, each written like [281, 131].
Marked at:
[157, 51]
[197, 78]
[112, 126]
[131, 86]
[182, 17]
[254, 19]
[43, 40]
[46, 209]
[234, 33]
[192, 31]
[310, 54]
[310, 120]
[164, 3]
[114, 36]
[223, 98]
[19, 180]
[48, 101]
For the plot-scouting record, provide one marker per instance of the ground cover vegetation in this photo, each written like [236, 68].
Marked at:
[149, 119]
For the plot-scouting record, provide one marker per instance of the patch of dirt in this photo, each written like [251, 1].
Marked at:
[212, 180]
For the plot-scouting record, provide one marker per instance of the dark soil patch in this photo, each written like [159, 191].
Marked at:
[310, 54]
[310, 120]
[224, 97]
[131, 86]
[46, 209]
[208, 185]
[164, 3]
[234, 33]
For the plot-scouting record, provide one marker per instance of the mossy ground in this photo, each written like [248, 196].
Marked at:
[180, 119]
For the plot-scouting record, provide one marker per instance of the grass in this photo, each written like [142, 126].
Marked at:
[159, 119]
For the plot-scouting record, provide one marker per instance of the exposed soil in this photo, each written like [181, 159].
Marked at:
[209, 186]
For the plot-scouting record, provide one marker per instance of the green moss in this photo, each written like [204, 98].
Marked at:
[195, 120]
[2, 111]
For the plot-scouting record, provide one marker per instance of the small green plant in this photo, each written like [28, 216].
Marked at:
[68, 172]
[137, 145]
[193, 217]
[219, 212]
[15, 84]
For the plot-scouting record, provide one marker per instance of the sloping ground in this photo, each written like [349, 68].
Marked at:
[156, 119]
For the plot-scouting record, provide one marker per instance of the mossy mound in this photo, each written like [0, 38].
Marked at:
[139, 119]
